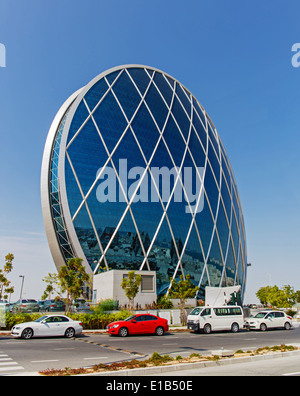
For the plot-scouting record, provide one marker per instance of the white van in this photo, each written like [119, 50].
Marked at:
[208, 319]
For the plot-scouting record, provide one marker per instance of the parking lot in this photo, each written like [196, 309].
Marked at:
[19, 356]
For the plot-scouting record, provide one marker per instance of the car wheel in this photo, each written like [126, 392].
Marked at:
[263, 327]
[27, 333]
[70, 332]
[287, 326]
[207, 328]
[123, 332]
[159, 331]
[235, 328]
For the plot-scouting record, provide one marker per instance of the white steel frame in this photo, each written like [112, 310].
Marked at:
[72, 104]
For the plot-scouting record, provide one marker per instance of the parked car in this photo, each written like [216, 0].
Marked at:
[139, 324]
[53, 305]
[25, 305]
[41, 305]
[48, 326]
[80, 305]
[210, 319]
[265, 320]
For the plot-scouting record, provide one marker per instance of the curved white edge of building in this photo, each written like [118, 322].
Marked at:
[46, 207]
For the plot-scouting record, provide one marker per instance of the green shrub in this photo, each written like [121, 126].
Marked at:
[157, 359]
[195, 355]
[106, 305]
[90, 321]
[13, 319]
[163, 302]
[99, 320]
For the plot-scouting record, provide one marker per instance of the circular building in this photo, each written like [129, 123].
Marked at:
[135, 176]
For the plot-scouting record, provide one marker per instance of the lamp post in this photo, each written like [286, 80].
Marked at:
[21, 276]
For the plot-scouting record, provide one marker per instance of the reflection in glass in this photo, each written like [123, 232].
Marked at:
[142, 118]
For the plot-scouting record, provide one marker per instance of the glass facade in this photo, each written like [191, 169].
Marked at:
[148, 183]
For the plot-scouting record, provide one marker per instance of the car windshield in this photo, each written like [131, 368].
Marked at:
[41, 318]
[196, 311]
[260, 315]
[130, 318]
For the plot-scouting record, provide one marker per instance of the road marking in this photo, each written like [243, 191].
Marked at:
[171, 344]
[8, 363]
[52, 342]
[11, 368]
[44, 361]
[62, 349]
[99, 357]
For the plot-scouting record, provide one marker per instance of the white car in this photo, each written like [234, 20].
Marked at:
[48, 326]
[269, 320]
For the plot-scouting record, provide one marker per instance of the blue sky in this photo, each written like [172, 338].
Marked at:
[234, 56]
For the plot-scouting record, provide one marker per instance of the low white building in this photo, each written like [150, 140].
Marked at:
[107, 285]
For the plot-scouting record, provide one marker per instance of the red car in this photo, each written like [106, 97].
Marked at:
[139, 324]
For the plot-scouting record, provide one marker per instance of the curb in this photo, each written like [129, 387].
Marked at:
[187, 366]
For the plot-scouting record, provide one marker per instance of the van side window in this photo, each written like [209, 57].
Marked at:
[235, 311]
[221, 311]
[227, 311]
[205, 312]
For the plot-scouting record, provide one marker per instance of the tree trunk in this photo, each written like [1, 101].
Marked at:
[183, 316]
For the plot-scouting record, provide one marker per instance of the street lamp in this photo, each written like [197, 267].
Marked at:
[21, 276]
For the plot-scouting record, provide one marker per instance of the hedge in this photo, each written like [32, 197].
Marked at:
[91, 321]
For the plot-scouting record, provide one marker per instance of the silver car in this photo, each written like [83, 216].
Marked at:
[26, 305]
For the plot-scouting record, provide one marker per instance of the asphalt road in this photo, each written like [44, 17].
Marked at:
[28, 356]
